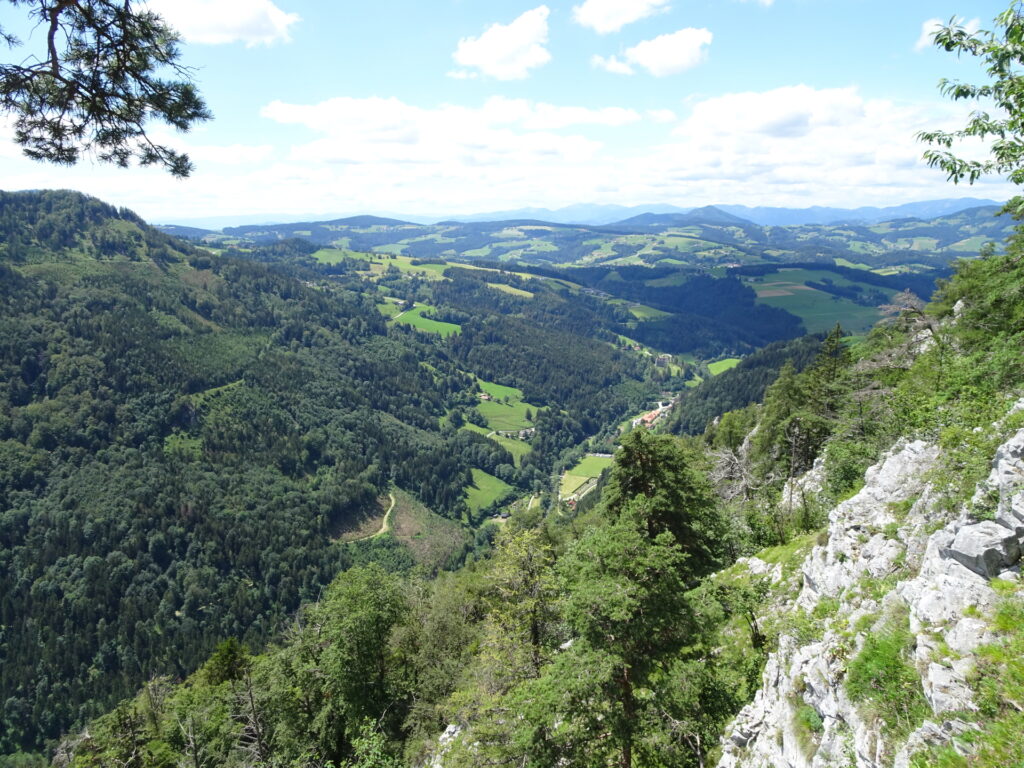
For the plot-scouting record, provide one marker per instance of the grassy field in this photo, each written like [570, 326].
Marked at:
[588, 467]
[841, 262]
[643, 312]
[415, 318]
[388, 308]
[334, 255]
[431, 539]
[591, 466]
[377, 263]
[511, 289]
[500, 390]
[504, 416]
[971, 244]
[485, 490]
[820, 311]
[720, 366]
[518, 448]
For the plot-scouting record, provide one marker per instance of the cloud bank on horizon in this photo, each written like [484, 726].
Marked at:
[600, 101]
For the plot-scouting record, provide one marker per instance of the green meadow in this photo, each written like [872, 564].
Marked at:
[502, 415]
[589, 467]
[485, 490]
[720, 366]
[820, 311]
[415, 318]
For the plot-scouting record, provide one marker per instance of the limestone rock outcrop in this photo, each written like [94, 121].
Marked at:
[890, 553]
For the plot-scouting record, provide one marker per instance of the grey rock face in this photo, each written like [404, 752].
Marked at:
[940, 576]
[987, 548]
[1007, 479]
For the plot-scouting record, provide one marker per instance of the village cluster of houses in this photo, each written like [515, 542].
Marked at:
[649, 419]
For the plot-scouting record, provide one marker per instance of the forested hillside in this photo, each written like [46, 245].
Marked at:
[187, 436]
[183, 435]
[630, 634]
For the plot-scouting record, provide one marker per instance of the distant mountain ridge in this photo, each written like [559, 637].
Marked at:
[709, 214]
[602, 215]
[929, 209]
[701, 238]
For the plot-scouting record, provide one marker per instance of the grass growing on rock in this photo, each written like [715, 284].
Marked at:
[808, 727]
[999, 690]
[883, 680]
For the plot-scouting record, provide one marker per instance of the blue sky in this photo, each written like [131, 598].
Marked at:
[441, 107]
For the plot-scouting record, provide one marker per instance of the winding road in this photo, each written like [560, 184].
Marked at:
[385, 526]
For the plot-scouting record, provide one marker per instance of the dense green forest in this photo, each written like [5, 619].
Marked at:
[611, 636]
[182, 435]
[740, 386]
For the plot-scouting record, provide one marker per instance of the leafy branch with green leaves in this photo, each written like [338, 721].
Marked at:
[107, 70]
[1002, 53]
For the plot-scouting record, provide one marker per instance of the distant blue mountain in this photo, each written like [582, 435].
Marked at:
[709, 214]
[603, 215]
[929, 209]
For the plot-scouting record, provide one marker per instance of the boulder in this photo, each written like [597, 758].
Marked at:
[946, 690]
[1011, 513]
[987, 548]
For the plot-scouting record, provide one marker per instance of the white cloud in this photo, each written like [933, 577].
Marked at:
[507, 51]
[604, 16]
[930, 27]
[374, 125]
[795, 146]
[664, 55]
[611, 64]
[818, 146]
[213, 22]
[765, 3]
[661, 115]
[788, 112]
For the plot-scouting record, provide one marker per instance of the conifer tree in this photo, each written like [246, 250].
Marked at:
[97, 84]
[661, 470]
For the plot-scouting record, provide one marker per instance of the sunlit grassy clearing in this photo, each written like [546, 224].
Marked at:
[720, 366]
[643, 312]
[500, 390]
[415, 318]
[589, 467]
[389, 308]
[510, 289]
[821, 311]
[485, 490]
